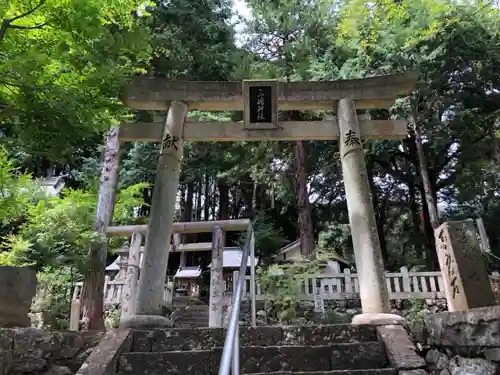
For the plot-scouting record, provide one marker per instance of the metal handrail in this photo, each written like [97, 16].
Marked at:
[231, 352]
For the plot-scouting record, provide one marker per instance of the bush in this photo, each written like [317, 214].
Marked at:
[53, 299]
[416, 311]
[53, 235]
[283, 284]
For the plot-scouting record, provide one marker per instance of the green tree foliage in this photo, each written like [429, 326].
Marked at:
[193, 40]
[59, 230]
[54, 292]
[455, 105]
[53, 234]
[17, 192]
[62, 65]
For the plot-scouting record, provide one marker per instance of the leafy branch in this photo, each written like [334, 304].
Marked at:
[8, 23]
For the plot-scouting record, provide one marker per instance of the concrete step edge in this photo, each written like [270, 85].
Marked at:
[378, 371]
[201, 321]
[192, 321]
[194, 315]
[296, 326]
[332, 345]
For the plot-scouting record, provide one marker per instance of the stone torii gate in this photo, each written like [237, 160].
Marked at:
[260, 101]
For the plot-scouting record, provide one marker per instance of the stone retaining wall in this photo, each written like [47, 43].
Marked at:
[38, 352]
[461, 343]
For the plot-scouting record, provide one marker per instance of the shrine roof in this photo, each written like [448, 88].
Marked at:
[113, 266]
[231, 258]
[188, 272]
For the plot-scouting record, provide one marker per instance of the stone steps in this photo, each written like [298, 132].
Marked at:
[193, 320]
[189, 324]
[384, 371]
[255, 359]
[160, 340]
[194, 316]
[190, 306]
[289, 350]
[184, 301]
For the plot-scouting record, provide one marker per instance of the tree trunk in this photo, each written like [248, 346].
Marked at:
[381, 218]
[208, 200]
[198, 202]
[419, 233]
[182, 199]
[195, 237]
[495, 146]
[430, 243]
[260, 198]
[93, 283]
[303, 204]
[213, 203]
[424, 173]
[223, 200]
[430, 203]
[415, 218]
[187, 212]
[246, 193]
[236, 203]
[254, 196]
[146, 196]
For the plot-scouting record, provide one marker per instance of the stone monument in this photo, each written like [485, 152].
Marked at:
[17, 289]
[465, 278]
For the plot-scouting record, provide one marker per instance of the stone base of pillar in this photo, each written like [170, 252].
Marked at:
[378, 319]
[146, 321]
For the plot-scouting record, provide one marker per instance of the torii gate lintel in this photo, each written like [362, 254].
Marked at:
[378, 92]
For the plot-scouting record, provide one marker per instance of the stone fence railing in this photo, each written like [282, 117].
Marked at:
[113, 291]
[402, 285]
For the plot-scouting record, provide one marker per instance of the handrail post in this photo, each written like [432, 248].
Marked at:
[230, 360]
[236, 352]
[252, 279]
[216, 280]
[235, 370]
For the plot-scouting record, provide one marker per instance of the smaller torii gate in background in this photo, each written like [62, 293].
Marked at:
[261, 101]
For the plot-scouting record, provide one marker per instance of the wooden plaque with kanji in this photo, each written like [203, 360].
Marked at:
[260, 104]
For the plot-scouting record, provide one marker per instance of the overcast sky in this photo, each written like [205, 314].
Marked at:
[241, 8]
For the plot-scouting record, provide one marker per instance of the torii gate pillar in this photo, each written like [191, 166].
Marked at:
[156, 251]
[373, 291]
